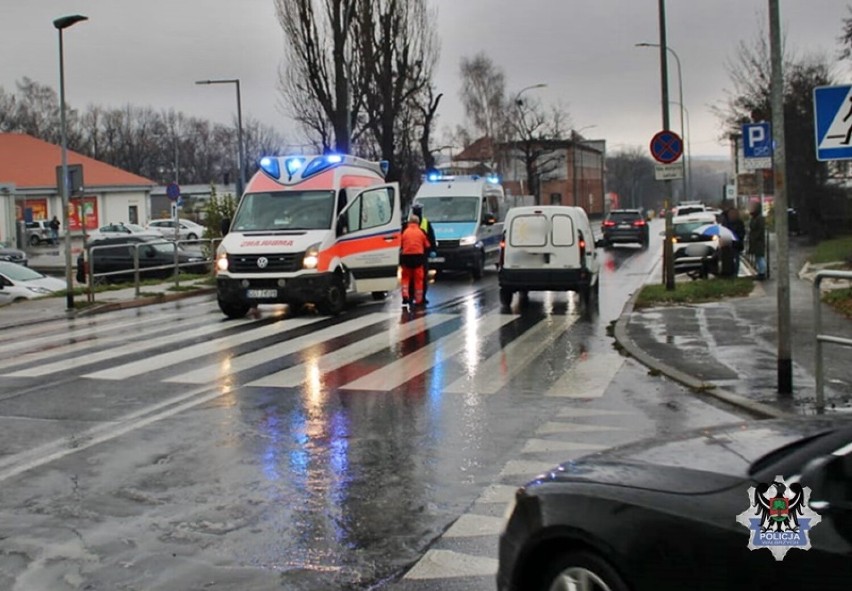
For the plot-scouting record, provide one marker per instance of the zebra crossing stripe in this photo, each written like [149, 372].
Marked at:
[299, 374]
[588, 378]
[496, 371]
[442, 564]
[162, 360]
[402, 370]
[471, 525]
[233, 365]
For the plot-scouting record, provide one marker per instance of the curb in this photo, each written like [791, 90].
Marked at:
[757, 409]
[141, 302]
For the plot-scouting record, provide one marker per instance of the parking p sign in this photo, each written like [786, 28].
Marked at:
[757, 140]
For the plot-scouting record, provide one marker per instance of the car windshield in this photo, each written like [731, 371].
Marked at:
[285, 210]
[624, 216]
[19, 273]
[687, 228]
[450, 209]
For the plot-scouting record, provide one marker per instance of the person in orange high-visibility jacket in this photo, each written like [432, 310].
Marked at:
[412, 258]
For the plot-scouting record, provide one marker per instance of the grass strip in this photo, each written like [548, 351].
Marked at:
[695, 292]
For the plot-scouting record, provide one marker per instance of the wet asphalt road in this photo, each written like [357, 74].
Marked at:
[167, 448]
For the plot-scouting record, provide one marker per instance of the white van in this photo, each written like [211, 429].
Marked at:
[465, 213]
[548, 248]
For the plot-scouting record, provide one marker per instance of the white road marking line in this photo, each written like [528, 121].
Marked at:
[552, 427]
[526, 468]
[442, 564]
[498, 493]
[79, 361]
[215, 371]
[162, 360]
[471, 525]
[299, 374]
[546, 445]
[402, 370]
[588, 378]
[104, 337]
[571, 413]
[498, 370]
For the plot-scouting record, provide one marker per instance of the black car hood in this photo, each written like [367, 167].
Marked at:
[692, 463]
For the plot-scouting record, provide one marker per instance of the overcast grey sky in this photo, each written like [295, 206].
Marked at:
[149, 52]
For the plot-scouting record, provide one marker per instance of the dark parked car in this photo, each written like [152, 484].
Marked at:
[680, 514]
[115, 256]
[625, 225]
[13, 255]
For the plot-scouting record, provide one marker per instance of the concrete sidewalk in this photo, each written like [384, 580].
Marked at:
[728, 349]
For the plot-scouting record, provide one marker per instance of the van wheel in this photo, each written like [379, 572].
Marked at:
[233, 310]
[379, 296]
[506, 296]
[479, 267]
[334, 300]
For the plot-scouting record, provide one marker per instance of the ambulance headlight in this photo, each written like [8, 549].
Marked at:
[467, 241]
[222, 262]
[311, 259]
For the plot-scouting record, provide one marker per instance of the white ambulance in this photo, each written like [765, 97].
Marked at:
[310, 229]
[465, 212]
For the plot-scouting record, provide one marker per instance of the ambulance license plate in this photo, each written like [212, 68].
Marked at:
[261, 294]
[438, 260]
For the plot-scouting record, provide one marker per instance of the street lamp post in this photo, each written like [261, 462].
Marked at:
[688, 172]
[687, 184]
[61, 24]
[518, 103]
[241, 180]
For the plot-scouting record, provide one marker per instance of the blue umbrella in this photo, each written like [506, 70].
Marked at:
[724, 234]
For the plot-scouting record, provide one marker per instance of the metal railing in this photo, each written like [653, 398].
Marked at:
[139, 271]
[824, 338]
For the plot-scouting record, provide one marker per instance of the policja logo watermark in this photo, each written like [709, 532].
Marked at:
[779, 517]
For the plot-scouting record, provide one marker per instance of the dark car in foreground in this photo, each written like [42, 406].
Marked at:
[668, 514]
[625, 226]
[113, 259]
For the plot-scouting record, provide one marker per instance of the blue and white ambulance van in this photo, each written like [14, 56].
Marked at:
[466, 214]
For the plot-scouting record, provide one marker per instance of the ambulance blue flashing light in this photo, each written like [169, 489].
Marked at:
[385, 166]
[433, 177]
[334, 158]
[493, 179]
[270, 167]
[293, 165]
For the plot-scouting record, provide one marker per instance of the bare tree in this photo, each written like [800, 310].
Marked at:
[630, 174]
[535, 131]
[319, 57]
[483, 95]
[846, 37]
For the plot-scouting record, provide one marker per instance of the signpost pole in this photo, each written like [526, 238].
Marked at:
[668, 250]
[785, 362]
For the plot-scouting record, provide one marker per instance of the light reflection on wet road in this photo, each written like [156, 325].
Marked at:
[277, 452]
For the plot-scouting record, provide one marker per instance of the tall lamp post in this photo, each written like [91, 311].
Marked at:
[518, 103]
[687, 186]
[688, 172]
[61, 24]
[241, 180]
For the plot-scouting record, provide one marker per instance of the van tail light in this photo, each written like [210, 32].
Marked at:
[639, 223]
[582, 244]
[502, 250]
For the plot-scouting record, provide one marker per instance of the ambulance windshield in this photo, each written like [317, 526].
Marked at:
[450, 209]
[285, 210]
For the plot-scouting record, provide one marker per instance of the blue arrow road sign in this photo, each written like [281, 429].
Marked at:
[833, 122]
[757, 140]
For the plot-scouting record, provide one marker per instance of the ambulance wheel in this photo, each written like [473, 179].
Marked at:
[334, 300]
[479, 267]
[506, 296]
[233, 310]
[379, 296]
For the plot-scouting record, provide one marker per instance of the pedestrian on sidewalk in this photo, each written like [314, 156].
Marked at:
[54, 231]
[734, 223]
[415, 246]
[757, 239]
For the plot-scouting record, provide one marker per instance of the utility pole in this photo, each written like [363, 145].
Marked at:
[668, 247]
[785, 361]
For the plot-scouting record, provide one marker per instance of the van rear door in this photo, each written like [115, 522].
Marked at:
[564, 238]
[527, 241]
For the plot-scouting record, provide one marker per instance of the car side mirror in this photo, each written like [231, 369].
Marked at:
[600, 243]
[341, 224]
[489, 220]
[225, 226]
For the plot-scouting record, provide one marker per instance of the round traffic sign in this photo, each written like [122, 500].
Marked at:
[666, 147]
[173, 191]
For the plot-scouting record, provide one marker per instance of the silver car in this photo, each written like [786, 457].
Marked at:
[188, 230]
